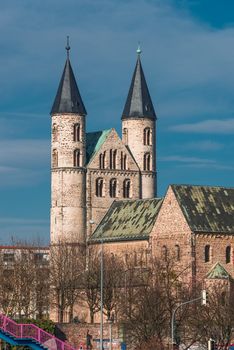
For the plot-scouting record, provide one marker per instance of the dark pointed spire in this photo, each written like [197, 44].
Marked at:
[68, 99]
[138, 104]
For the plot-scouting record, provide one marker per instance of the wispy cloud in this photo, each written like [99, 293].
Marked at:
[206, 145]
[23, 162]
[212, 126]
[196, 162]
[182, 159]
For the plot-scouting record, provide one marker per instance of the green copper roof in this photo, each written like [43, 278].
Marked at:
[207, 209]
[94, 141]
[218, 272]
[128, 220]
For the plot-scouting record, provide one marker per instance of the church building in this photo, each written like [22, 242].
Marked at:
[91, 170]
[104, 189]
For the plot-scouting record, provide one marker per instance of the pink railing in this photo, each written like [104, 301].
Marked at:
[31, 331]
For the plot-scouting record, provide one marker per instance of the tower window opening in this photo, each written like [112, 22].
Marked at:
[76, 132]
[146, 137]
[126, 188]
[228, 254]
[146, 164]
[177, 252]
[99, 187]
[77, 158]
[125, 136]
[207, 253]
[55, 132]
[54, 158]
[113, 187]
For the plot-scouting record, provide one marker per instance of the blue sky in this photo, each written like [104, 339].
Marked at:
[188, 59]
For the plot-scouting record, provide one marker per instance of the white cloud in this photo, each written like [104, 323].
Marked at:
[211, 126]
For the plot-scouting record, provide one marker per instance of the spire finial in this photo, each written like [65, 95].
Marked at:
[68, 47]
[139, 49]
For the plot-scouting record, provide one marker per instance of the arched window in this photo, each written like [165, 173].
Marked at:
[55, 132]
[207, 253]
[125, 136]
[126, 188]
[146, 136]
[113, 159]
[102, 159]
[113, 187]
[177, 252]
[228, 254]
[77, 158]
[76, 132]
[123, 161]
[164, 252]
[54, 158]
[147, 161]
[99, 187]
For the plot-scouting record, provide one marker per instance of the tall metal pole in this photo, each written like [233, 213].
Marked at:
[101, 299]
[173, 318]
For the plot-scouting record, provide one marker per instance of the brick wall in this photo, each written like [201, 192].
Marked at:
[76, 334]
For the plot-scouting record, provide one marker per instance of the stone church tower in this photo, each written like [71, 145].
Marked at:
[139, 129]
[68, 155]
[91, 170]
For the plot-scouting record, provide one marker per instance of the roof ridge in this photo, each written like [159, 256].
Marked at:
[210, 186]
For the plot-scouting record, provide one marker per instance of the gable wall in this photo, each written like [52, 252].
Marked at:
[171, 229]
[98, 206]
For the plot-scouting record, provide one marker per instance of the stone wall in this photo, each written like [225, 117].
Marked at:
[98, 206]
[76, 334]
[172, 233]
[218, 244]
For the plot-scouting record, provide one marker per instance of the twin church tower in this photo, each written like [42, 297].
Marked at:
[91, 170]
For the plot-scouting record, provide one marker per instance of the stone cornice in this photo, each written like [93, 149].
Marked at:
[68, 170]
[113, 172]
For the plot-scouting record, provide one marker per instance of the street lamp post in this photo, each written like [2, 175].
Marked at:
[101, 299]
[174, 313]
[101, 291]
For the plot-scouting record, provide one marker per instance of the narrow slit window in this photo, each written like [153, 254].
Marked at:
[77, 158]
[76, 132]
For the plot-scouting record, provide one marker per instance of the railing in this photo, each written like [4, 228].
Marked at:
[31, 331]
